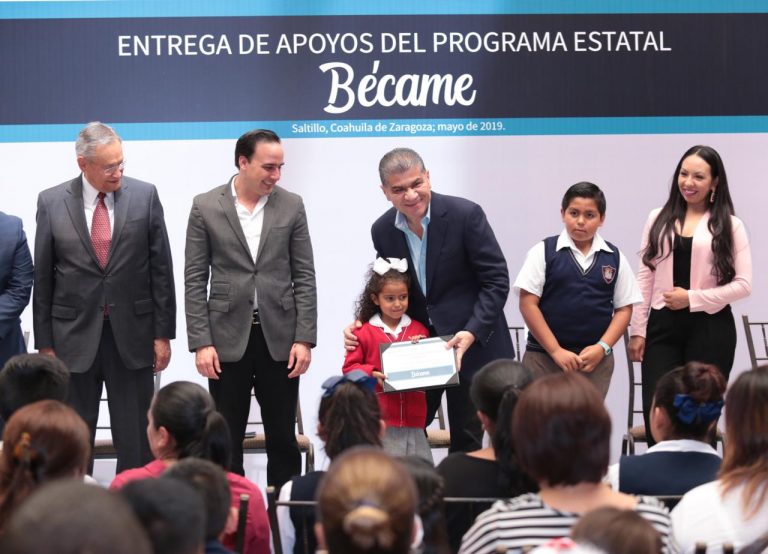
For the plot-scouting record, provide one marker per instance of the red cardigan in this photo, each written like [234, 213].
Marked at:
[398, 409]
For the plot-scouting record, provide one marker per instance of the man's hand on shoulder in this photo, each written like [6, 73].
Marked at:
[207, 362]
[299, 359]
[461, 341]
[162, 354]
[350, 340]
[47, 352]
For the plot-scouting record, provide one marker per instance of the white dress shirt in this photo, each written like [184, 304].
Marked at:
[91, 198]
[533, 273]
[252, 224]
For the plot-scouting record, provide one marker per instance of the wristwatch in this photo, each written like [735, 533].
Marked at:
[608, 349]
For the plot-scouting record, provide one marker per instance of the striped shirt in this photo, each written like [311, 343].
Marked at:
[525, 520]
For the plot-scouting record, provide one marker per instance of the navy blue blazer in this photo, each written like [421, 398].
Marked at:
[667, 473]
[467, 277]
[16, 274]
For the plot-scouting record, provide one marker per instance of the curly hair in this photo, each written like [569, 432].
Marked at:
[365, 307]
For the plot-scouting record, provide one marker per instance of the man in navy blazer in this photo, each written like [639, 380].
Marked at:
[109, 312]
[459, 278]
[15, 285]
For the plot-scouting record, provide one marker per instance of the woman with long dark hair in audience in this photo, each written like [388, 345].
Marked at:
[42, 442]
[494, 469]
[562, 433]
[366, 504]
[183, 422]
[696, 261]
[684, 412]
[733, 509]
[348, 416]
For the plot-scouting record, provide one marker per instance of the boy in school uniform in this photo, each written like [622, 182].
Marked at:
[576, 293]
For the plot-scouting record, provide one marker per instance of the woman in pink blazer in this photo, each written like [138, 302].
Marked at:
[695, 262]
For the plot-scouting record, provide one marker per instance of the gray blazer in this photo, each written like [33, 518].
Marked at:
[71, 288]
[283, 276]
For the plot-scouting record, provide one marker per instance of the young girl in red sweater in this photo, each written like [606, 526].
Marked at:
[381, 308]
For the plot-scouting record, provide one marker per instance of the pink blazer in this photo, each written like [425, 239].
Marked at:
[704, 295]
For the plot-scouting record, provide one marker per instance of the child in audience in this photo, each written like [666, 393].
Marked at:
[171, 512]
[27, 378]
[684, 412]
[210, 482]
[366, 503]
[576, 293]
[615, 531]
[381, 308]
[349, 416]
[68, 516]
[42, 442]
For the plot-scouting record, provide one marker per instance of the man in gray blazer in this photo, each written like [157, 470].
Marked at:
[103, 299]
[255, 325]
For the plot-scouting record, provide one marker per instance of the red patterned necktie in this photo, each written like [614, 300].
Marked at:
[101, 234]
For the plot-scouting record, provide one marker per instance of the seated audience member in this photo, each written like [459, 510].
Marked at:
[616, 531]
[561, 431]
[431, 508]
[183, 422]
[348, 416]
[733, 509]
[171, 512]
[210, 482]
[43, 441]
[607, 531]
[494, 469]
[684, 412]
[366, 503]
[27, 378]
[70, 517]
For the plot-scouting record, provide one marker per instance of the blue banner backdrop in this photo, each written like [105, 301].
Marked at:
[444, 75]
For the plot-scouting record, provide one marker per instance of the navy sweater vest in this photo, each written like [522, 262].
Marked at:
[577, 304]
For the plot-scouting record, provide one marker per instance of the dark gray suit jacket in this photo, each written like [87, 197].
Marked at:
[71, 288]
[283, 276]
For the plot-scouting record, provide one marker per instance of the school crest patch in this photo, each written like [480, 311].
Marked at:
[609, 274]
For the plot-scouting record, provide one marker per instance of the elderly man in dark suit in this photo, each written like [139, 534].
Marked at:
[255, 325]
[459, 278]
[104, 300]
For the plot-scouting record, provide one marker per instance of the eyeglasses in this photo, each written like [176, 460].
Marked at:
[112, 169]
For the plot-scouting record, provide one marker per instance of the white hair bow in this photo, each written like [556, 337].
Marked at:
[381, 266]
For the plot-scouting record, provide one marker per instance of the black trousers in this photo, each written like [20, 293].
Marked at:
[466, 430]
[675, 337]
[277, 396]
[129, 393]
